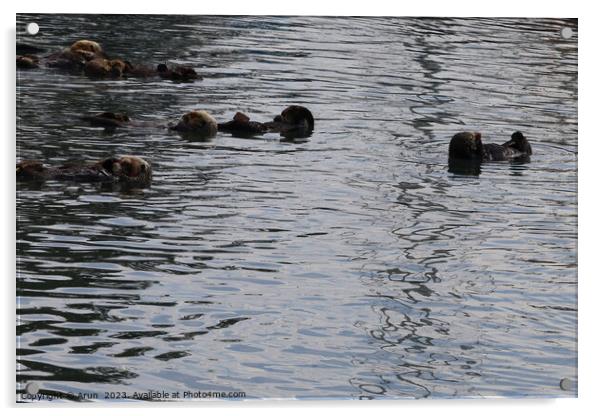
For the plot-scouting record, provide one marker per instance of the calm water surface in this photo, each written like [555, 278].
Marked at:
[350, 266]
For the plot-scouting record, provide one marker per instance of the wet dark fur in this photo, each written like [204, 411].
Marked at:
[295, 121]
[241, 125]
[177, 72]
[107, 119]
[468, 146]
[127, 169]
[27, 61]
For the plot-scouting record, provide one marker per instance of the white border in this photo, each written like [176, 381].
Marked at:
[590, 153]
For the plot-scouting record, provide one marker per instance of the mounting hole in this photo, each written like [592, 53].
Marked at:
[32, 388]
[566, 384]
[566, 32]
[33, 28]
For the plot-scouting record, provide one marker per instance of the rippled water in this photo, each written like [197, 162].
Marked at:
[350, 266]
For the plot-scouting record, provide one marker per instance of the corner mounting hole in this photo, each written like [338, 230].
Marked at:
[566, 32]
[33, 28]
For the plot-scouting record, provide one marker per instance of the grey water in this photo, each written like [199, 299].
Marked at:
[353, 265]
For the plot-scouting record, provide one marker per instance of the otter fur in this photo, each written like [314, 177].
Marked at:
[295, 121]
[27, 61]
[198, 123]
[177, 72]
[469, 146]
[127, 169]
[241, 125]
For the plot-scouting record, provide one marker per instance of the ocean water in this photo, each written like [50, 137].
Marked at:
[353, 265]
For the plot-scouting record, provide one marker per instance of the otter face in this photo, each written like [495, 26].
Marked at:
[27, 61]
[30, 169]
[197, 122]
[519, 142]
[466, 145]
[128, 168]
[298, 116]
[86, 46]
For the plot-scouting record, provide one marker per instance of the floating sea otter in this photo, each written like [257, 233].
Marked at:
[177, 72]
[74, 58]
[468, 146]
[27, 61]
[196, 124]
[126, 169]
[467, 151]
[88, 56]
[295, 121]
[108, 119]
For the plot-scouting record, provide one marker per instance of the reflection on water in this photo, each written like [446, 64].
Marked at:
[350, 265]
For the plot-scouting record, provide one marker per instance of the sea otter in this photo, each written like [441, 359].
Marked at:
[295, 121]
[468, 146]
[177, 72]
[27, 61]
[196, 123]
[74, 58]
[108, 119]
[126, 169]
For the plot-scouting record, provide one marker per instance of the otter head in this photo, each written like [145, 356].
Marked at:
[30, 169]
[519, 142]
[131, 169]
[197, 122]
[27, 61]
[162, 68]
[298, 116]
[466, 146]
[82, 46]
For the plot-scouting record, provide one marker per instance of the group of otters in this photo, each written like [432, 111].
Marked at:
[294, 122]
